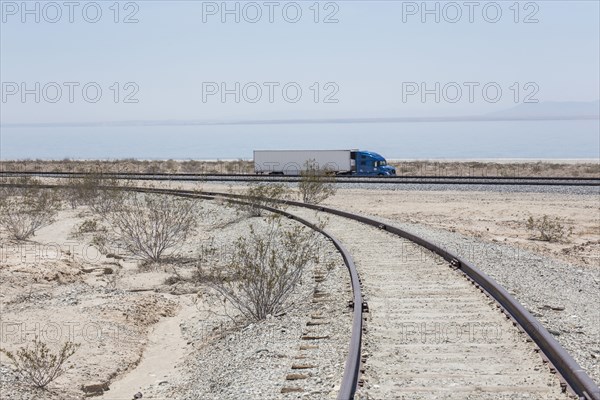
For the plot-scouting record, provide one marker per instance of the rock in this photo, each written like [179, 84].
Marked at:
[108, 270]
[98, 271]
[536, 314]
[116, 257]
[554, 307]
[95, 388]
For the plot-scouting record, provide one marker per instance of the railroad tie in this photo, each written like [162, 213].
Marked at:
[303, 366]
[291, 390]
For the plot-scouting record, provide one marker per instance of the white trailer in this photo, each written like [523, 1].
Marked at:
[292, 162]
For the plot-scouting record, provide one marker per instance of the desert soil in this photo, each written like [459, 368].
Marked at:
[59, 285]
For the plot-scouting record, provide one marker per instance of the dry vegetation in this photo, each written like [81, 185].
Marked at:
[38, 365]
[260, 277]
[499, 168]
[128, 230]
[132, 166]
[262, 195]
[549, 229]
[24, 210]
[114, 289]
[403, 168]
[153, 226]
[315, 185]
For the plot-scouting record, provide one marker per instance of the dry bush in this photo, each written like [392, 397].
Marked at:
[152, 226]
[262, 194]
[80, 191]
[264, 269]
[24, 210]
[105, 201]
[549, 229]
[38, 366]
[92, 227]
[191, 166]
[88, 226]
[102, 194]
[315, 184]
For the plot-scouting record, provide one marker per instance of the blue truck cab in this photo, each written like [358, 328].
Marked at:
[370, 163]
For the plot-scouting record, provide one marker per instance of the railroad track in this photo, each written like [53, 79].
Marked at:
[407, 355]
[429, 333]
[390, 180]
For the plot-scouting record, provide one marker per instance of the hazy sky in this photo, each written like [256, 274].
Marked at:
[373, 60]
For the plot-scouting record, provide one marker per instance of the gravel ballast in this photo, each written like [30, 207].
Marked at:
[563, 297]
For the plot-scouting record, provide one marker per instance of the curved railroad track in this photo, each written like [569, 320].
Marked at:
[390, 180]
[409, 356]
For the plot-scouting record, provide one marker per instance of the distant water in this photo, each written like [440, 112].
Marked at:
[454, 140]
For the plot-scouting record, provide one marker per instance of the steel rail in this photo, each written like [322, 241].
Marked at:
[412, 179]
[394, 177]
[351, 373]
[574, 376]
[349, 381]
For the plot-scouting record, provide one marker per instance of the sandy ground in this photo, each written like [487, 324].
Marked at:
[60, 280]
[165, 350]
[491, 216]
[58, 286]
[495, 217]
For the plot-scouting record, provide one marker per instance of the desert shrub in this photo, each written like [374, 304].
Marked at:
[259, 195]
[92, 190]
[89, 225]
[152, 168]
[315, 184]
[263, 270]
[171, 166]
[152, 226]
[101, 242]
[549, 229]
[191, 166]
[173, 279]
[38, 365]
[79, 190]
[24, 210]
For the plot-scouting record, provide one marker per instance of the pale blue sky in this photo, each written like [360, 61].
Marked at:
[369, 53]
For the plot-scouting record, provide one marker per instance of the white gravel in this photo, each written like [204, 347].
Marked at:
[563, 297]
[253, 361]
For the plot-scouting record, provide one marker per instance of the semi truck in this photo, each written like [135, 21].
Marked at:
[339, 162]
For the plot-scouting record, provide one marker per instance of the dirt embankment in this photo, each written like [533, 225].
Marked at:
[58, 288]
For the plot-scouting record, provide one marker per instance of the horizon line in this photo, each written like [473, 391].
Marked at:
[307, 121]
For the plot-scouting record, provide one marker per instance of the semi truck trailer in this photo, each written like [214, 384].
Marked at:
[340, 162]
